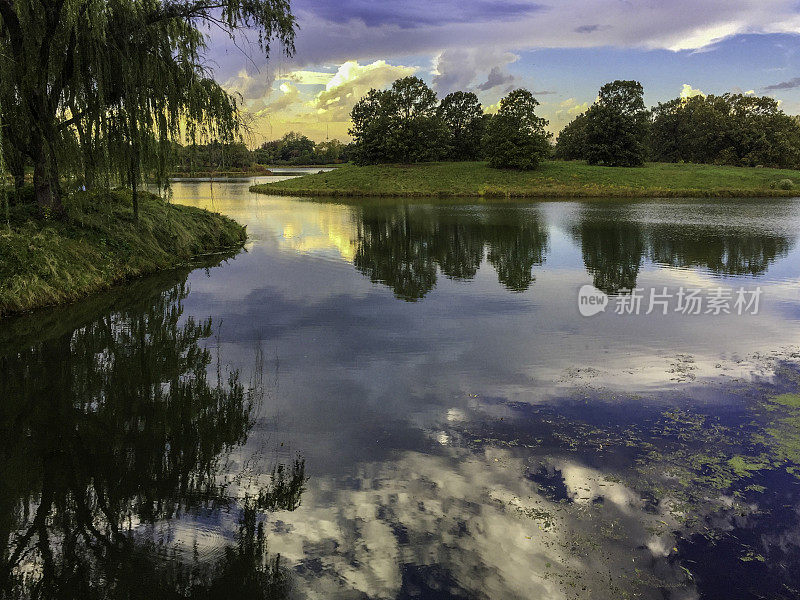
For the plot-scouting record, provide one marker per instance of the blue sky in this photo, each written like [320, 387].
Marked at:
[563, 50]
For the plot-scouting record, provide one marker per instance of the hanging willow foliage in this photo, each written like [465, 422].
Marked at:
[100, 90]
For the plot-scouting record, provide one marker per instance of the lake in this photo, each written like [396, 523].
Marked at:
[411, 399]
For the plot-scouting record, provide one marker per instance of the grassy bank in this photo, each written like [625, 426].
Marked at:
[98, 244]
[554, 179]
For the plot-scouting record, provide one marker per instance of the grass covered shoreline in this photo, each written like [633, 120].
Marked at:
[554, 179]
[97, 245]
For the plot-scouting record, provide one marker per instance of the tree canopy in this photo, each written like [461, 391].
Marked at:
[616, 126]
[571, 142]
[515, 136]
[99, 89]
[732, 129]
[400, 124]
[463, 115]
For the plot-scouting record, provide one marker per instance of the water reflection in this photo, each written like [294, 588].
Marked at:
[484, 441]
[579, 500]
[405, 246]
[109, 432]
[615, 241]
[401, 246]
[613, 248]
[722, 252]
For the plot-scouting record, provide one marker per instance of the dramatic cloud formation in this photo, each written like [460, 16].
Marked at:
[343, 48]
[316, 103]
[459, 69]
[338, 31]
[350, 83]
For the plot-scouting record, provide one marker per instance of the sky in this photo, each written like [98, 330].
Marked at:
[562, 50]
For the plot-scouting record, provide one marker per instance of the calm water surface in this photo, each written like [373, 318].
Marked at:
[390, 399]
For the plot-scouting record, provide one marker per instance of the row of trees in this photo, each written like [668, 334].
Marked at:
[102, 89]
[732, 129]
[292, 149]
[296, 149]
[407, 123]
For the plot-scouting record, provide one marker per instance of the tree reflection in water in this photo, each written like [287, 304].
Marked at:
[401, 246]
[405, 246]
[116, 426]
[615, 243]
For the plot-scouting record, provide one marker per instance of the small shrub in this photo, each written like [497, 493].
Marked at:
[783, 184]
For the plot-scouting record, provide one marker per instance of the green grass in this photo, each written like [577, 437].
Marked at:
[554, 179]
[46, 262]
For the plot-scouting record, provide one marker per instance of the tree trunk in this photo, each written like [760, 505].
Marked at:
[47, 198]
[135, 197]
[85, 140]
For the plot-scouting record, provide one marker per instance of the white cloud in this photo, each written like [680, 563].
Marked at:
[319, 115]
[351, 82]
[675, 25]
[687, 91]
[566, 111]
[251, 87]
[465, 68]
[290, 95]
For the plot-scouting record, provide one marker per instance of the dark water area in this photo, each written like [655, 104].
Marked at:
[403, 399]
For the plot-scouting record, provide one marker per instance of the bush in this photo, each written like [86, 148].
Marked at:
[783, 184]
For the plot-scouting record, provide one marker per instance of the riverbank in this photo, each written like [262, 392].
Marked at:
[554, 179]
[220, 174]
[97, 245]
[254, 172]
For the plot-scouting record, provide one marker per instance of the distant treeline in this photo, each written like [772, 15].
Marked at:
[292, 149]
[407, 123]
[296, 149]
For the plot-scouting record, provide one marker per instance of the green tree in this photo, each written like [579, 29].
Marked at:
[398, 125]
[730, 129]
[616, 127]
[328, 152]
[373, 122]
[296, 147]
[571, 142]
[118, 80]
[463, 115]
[515, 137]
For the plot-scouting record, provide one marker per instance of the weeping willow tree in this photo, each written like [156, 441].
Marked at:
[101, 88]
